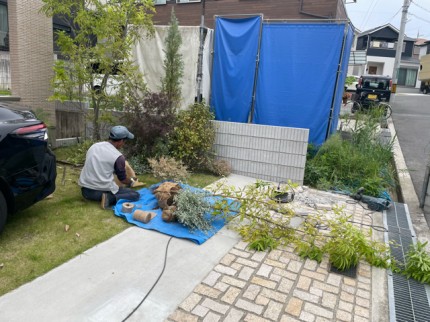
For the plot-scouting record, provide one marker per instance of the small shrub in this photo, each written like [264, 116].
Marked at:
[75, 154]
[193, 136]
[150, 119]
[220, 167]
[167, 168]
[418, 263]
[191, 209]
[139, 165]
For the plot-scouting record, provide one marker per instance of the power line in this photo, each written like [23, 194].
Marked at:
[419, 6]
[428, 21]
[369, 10]
[389, 21]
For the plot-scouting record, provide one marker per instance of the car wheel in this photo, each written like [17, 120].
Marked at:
[425, 90]
[3, 211]
[355, 107]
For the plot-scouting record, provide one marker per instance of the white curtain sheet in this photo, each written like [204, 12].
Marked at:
[207, 65]
[148, 54]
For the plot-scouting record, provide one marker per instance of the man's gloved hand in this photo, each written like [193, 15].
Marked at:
[132, 182]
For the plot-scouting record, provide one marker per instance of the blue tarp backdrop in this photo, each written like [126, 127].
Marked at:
[297, 74]
[235, 55]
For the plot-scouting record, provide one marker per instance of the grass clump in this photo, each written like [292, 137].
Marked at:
[362, 161]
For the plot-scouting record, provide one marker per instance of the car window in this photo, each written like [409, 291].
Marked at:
[376, 83]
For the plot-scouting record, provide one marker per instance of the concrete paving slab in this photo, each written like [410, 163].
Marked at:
[106, 282]
[109, 280]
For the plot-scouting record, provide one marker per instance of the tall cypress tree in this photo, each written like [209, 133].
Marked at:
[173, 62]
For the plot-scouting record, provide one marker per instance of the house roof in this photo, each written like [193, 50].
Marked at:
[388, 25]
[421, 42]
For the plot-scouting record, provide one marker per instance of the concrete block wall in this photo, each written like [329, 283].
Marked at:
[264, 152]
[31, 56]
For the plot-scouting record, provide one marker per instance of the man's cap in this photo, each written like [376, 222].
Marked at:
[120, 132]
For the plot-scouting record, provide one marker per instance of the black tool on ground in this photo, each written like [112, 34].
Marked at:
[376, 204]
[283, 196]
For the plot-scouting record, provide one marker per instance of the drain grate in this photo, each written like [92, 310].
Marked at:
[409, 301]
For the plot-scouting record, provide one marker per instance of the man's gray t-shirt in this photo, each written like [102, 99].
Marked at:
[98, 171]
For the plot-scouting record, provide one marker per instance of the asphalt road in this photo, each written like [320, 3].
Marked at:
[411, 118]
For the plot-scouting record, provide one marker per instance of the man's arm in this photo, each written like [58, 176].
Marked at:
[119, 169]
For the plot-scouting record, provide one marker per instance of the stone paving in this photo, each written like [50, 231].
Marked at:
[279, 286]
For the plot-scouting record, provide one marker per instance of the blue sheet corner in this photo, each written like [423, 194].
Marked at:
[148, 202]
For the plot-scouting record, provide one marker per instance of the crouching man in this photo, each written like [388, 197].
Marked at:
[103, 160]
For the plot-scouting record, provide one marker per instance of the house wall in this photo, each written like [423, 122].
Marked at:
[31, 56]
[385, 65]
[189, 14]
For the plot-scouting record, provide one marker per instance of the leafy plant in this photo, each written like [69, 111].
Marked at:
[97, 50]
[263, 242]
[151, 118]
[191, 209]
[167, 168]
[173, 62]
[265, 224]
[193, 136]
[345, 244]
[139, 165]
[74, 154]
[418, 263]
[362, 161]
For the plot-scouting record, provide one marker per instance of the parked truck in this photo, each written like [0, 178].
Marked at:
[424, 74]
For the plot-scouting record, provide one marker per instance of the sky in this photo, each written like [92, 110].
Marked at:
[368, 14]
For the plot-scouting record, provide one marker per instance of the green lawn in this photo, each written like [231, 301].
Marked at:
[35, 240]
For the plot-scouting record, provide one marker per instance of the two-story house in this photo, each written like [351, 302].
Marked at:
[380, 45]
[190, 12]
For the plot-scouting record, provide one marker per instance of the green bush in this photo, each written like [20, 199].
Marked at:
[151, 119]
[192, 138]
[362, 161]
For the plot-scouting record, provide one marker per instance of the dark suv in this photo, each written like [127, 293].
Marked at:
[374, 88]
[27, 165]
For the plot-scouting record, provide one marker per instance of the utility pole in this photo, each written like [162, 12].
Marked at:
[399, 48]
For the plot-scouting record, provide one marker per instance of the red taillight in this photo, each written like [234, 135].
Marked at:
[29, 129]
[359, 82]
[391, 83]
[37, 131]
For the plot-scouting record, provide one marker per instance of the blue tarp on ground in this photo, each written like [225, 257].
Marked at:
[148, 202]
[297, 74]
[235, 48]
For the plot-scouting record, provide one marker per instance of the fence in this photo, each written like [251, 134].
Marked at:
[263, 152]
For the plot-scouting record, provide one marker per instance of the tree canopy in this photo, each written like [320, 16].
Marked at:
[96, 53]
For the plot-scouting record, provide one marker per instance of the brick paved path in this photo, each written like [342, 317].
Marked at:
[276, 286]
[280, 286]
